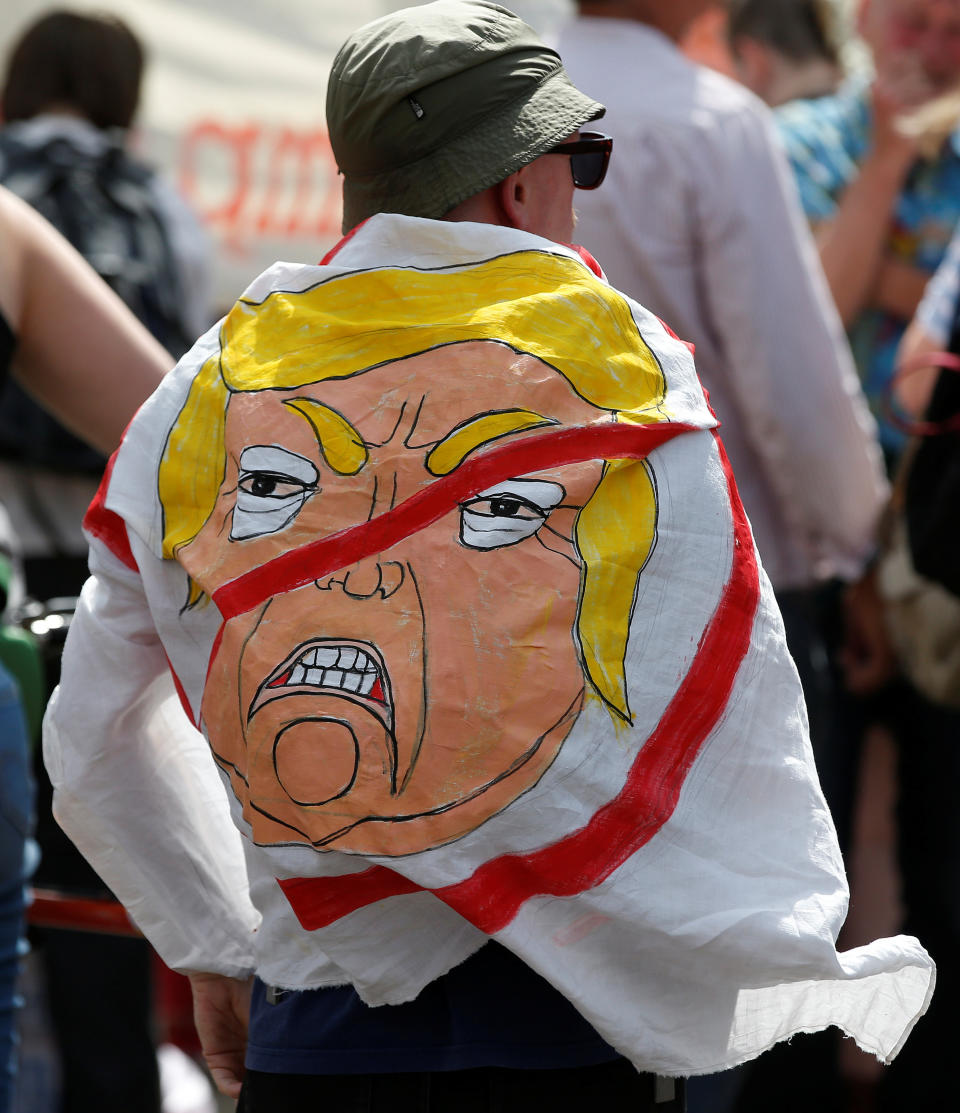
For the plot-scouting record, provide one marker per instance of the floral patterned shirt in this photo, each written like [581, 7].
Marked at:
[826, 140]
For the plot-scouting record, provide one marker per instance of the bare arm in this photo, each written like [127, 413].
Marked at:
[852, 245]
[866, 657]
[899, 288]
[221, 1008]
[914, 387]
[928, 333]
[80, 351]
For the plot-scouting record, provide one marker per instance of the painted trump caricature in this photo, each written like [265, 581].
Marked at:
[435, 549]
[410, 495]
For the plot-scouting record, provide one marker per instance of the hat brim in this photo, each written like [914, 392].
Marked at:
[493, 150]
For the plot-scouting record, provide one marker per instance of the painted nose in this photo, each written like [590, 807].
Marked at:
[366, 578]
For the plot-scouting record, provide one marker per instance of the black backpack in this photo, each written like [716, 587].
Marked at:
[105, 206]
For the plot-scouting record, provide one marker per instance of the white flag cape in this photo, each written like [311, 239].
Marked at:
[437, 545]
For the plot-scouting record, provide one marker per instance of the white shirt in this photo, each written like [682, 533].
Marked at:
[698, 220]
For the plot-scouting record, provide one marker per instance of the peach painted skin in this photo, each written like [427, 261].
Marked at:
[398, 703]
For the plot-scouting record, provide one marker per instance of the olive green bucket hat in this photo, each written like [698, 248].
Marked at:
[429, 105]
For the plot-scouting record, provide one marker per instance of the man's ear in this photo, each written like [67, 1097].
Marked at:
[513, 197]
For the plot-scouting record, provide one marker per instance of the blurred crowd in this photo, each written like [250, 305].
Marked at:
[785, 193]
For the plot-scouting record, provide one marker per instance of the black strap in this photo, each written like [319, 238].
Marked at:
[933, 483]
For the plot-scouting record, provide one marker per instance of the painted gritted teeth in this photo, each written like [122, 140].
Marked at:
[329, 667]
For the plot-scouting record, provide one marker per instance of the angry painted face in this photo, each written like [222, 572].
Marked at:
[399, 700]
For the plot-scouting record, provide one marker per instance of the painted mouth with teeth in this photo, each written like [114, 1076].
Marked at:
[350, 669]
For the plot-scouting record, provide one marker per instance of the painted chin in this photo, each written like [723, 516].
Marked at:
[320, 748]
[334, 765]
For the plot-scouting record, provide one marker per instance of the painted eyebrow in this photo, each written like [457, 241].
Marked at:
[340, 444]
[467, 437]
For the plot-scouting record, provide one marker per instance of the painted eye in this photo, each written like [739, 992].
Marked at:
[508, 513]
[506, 506]
[265, 485]
[272, 488]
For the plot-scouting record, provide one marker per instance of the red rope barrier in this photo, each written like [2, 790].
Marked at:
[52, 909]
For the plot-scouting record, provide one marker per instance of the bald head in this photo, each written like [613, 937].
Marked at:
[923, 34]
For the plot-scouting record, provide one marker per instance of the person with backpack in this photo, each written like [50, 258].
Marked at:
[68, 99]
[408, 680]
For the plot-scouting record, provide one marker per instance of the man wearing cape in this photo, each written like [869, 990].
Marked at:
[424, 613]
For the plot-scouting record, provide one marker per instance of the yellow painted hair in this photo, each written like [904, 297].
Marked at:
[544, 305]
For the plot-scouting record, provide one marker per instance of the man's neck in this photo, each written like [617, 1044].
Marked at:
[482, 208]
[670, 17]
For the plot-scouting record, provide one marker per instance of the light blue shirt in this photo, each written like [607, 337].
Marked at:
[826, 140]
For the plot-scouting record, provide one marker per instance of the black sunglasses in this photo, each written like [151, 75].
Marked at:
[589, 158]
